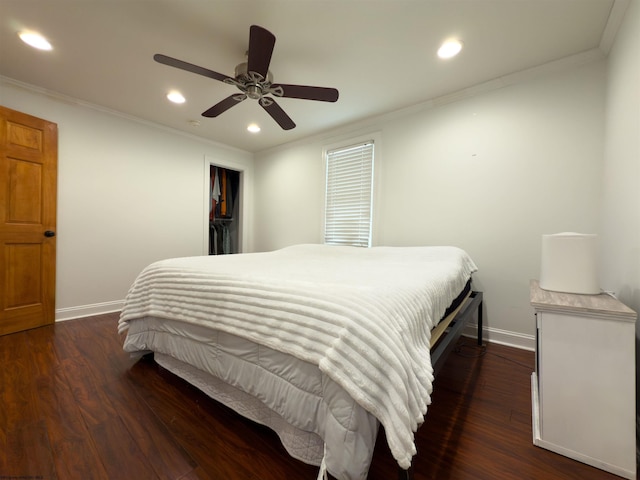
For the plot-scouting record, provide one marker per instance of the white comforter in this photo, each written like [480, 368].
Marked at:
[363, 316]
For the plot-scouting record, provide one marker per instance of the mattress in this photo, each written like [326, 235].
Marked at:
[321, 335]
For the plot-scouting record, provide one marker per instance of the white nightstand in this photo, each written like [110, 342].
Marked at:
[583, 389]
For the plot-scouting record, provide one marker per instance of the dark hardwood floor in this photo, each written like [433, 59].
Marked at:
[75, 406]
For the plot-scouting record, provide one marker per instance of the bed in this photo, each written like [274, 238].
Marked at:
[320, 343]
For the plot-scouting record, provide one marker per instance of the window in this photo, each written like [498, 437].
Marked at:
[349, 195]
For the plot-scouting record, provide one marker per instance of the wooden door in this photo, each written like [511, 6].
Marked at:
[28, 181]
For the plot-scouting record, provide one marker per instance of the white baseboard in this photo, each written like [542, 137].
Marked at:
[70, 313]
[503, 337]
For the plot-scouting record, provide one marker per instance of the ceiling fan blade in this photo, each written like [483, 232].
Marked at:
[261, 42]
[224, 105]
[189, 67]
[277, 113]
[305, 92]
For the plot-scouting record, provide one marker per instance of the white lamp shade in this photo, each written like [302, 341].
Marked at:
[569, 263]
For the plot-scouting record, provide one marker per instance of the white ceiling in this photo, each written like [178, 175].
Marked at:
[380, 55]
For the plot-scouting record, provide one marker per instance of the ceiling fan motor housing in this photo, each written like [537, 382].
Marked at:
[252, 83]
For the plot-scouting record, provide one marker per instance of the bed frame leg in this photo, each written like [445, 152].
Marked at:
[405, 474]
[479, 318]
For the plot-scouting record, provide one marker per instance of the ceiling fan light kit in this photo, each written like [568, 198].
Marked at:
[255, 81]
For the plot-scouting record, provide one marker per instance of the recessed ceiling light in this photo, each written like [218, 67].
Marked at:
[450, 48]
[35, 40]
[253, 128]
[175, 97]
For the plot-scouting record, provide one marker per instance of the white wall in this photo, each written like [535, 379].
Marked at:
[621, 180]
[490, 173]
[289, 197]
[129, 193]
[621, 200]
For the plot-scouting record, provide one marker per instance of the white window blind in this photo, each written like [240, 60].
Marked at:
[349, 195]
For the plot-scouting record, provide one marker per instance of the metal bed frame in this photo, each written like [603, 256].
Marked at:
[448, 342]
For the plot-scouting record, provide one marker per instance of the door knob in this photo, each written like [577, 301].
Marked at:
[49, 233]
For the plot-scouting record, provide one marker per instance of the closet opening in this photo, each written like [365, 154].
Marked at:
[224, 211]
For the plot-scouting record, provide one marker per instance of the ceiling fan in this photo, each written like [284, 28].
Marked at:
[255, 81]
